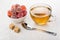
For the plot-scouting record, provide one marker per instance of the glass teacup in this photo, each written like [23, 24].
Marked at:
[40, 13]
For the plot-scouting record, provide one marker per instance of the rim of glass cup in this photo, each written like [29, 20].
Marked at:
[41, 5]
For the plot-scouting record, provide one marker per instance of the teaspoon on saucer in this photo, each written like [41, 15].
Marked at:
[25, 25]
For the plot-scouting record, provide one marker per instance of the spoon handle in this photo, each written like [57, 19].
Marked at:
[48, 32]
[51, 33]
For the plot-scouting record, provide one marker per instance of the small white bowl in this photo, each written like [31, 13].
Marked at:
[18, 20]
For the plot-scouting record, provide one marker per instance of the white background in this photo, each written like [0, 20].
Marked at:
[7, 34]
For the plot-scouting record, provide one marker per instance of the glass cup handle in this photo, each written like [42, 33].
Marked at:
[52, 18]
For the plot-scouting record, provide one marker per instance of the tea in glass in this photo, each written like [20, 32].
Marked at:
[40, 14]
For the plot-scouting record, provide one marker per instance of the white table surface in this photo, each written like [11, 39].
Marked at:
[8, 34]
